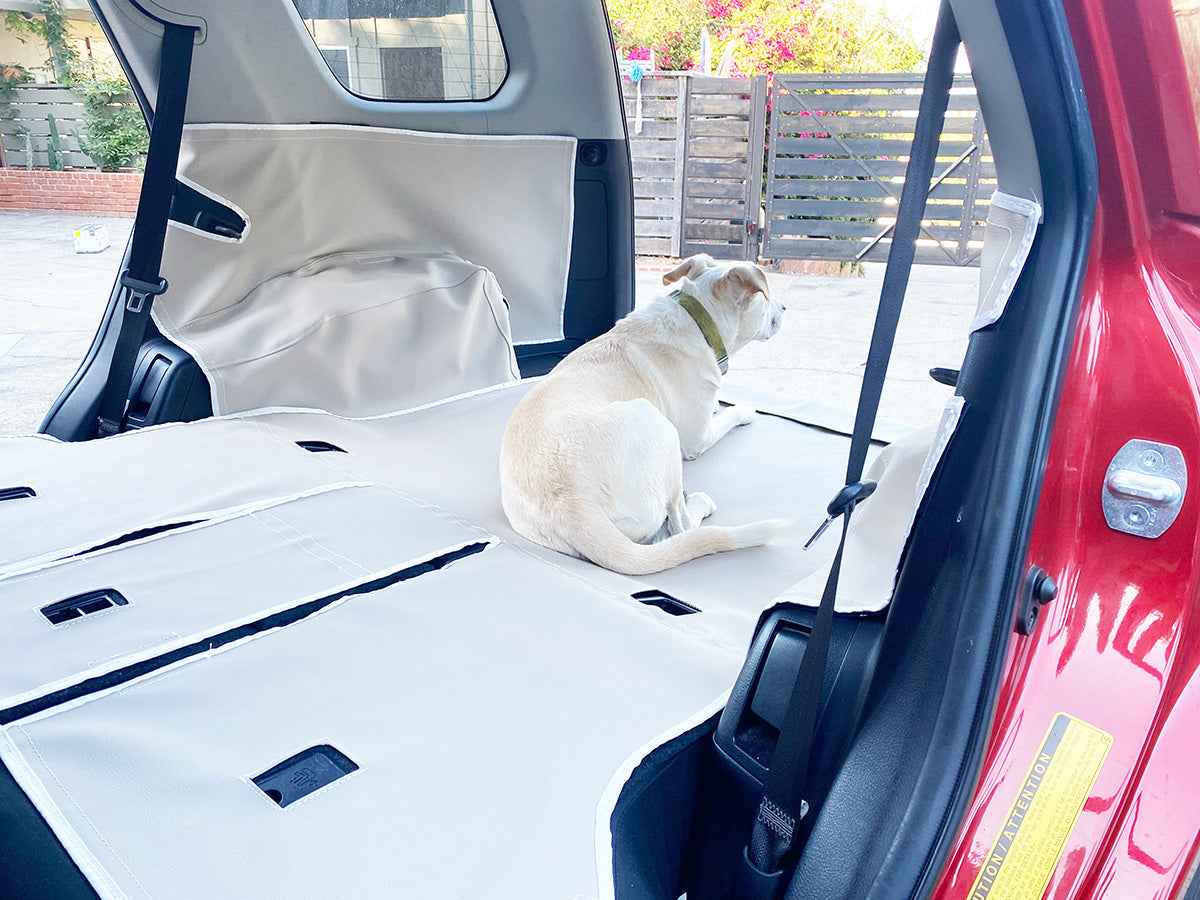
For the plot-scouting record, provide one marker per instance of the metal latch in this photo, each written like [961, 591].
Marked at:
[1144, 488]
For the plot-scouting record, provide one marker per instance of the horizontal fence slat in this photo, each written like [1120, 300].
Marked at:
[719, 106]
[700, 187]
[652, 86]
[654, 209]
[653, 128]
[867, 188]
[892, 126]
[654, 227]
[652, 246]
[61, 112]
[837, 250]
[859, 209]
[699, 208]
[653, 190]
[654, 168]
[717, 148]
[834, 209]
[706, 168]
[863, 147]
[860, 229]
[736, 128]
[652, 109]
[721, 250]
[713, 231]
[651, 149]
[883, 168]
[703, 85]
[791, 101]
[71, 159]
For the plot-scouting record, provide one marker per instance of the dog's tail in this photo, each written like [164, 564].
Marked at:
[601, 542]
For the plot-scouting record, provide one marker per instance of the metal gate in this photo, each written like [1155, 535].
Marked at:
[839, 146]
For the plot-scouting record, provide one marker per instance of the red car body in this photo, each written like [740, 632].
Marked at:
[1119, 647]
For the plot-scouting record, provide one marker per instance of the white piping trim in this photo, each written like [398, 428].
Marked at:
[301, 410]
[216, 198]
[76, 848]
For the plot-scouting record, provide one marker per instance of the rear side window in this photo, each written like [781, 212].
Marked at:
[409, 49]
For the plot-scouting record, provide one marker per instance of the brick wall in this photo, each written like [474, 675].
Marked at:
[79, 191]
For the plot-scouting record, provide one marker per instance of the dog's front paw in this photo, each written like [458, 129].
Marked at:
[745, 414]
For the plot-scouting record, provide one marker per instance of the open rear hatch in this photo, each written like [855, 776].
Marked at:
[295, 648]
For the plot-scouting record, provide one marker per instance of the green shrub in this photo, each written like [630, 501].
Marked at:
[113, 133]
[52, 30]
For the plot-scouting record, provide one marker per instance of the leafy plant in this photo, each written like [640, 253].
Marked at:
[11, 75]
[50, 29]
[763, 36]
[114, 133]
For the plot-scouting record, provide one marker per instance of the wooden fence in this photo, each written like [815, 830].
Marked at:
[723, 166]
[696, 143]
[31, 127]
[839, 146]
[654, 111]
[834, 164]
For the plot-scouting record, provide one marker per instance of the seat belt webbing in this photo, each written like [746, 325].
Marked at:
[783, 803]
[140, 280]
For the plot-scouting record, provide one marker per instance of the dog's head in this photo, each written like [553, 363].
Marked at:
[741, 288]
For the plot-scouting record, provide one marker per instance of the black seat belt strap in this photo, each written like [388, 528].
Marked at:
[140, 281]
[784, 802]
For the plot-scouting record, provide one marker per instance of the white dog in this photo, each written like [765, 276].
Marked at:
[591, 462]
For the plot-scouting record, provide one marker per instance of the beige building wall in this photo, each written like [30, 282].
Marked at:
[86, 37]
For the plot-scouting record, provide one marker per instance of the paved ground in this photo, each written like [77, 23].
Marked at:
[51, 300]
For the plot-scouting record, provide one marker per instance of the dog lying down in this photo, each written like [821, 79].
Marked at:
[591, 461]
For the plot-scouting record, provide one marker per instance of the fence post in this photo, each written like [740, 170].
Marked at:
[683, 117]
[756, 152]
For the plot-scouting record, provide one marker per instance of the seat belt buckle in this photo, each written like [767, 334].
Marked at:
[139, 290]
[752, 883]
[841, 504]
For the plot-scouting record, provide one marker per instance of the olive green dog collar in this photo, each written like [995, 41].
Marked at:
[707, 327]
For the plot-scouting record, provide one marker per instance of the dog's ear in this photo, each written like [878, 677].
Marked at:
[689, 268]
[743, 282]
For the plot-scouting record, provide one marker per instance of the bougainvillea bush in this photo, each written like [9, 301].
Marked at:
[759, 36]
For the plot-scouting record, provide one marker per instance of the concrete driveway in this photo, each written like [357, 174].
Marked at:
[52, 299]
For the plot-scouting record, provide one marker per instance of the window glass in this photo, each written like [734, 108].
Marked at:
[409, 49]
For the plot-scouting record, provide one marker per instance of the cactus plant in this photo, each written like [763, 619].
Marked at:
[53, 147]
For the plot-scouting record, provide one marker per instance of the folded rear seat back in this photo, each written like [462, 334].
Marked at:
[83, 617]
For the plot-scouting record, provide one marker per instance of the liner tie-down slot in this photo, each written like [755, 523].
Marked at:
[205, 645]
[320, 447]
[305, 773]
[664, 601]
[81, 605]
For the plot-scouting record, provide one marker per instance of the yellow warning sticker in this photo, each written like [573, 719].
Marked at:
[1055, 788]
